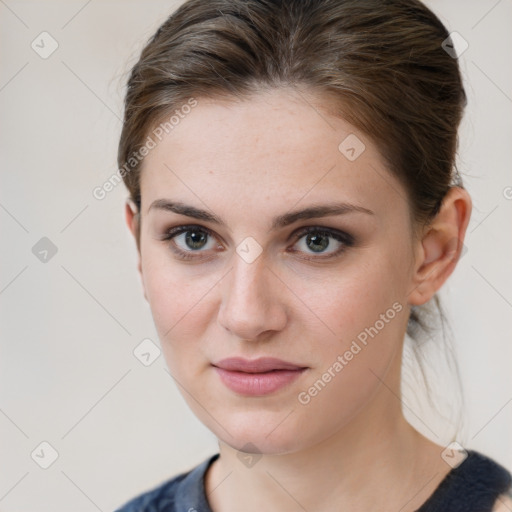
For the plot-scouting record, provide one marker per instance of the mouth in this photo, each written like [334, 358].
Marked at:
[257, 377]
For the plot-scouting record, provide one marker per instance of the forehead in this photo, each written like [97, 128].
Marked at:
[267, 152]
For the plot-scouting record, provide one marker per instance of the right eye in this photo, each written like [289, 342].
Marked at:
[186, 240]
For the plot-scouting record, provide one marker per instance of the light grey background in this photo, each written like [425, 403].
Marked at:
[69, 326]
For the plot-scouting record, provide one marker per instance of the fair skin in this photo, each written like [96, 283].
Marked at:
[247, 162]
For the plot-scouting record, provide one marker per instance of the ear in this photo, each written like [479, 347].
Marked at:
[440, 246]
[132, 217]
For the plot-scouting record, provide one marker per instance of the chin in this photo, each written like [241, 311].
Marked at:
[260, 432]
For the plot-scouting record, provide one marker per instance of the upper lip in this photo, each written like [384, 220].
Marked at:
[260, 365]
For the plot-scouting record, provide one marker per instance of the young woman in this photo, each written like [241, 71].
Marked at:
[295, 205]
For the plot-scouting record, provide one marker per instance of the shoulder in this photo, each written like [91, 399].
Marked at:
[478, 483]
[503, 503]
[485, 479]
[181, 493]
[158, 499]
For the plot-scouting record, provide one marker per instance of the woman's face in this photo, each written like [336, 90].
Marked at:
[332, 303]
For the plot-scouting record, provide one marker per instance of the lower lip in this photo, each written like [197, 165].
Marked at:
[257, 384]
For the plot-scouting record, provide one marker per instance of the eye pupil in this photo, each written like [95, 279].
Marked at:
[195, 237]
[318, 247]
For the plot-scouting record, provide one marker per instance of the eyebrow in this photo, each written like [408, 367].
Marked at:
[315, 211]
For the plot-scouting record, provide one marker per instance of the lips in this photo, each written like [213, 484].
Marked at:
[257, 377]
[261, 365]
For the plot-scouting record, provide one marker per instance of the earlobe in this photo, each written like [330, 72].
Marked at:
[441, 246]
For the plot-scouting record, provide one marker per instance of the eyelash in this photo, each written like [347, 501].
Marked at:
[346, 239]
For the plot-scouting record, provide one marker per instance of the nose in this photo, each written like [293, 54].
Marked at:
[252, 302]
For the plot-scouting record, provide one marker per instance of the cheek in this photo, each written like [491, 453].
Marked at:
[369, 318]
[365, 311]
[176, 297]
[166, 294]
[355, 297]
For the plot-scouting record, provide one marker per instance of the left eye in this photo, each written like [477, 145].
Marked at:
[187, 240]
[318, 240]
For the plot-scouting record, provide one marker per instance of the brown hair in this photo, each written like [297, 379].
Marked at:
[380, 61]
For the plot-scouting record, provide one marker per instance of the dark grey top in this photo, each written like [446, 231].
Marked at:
[473, 486]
